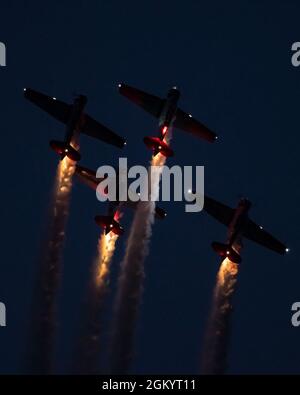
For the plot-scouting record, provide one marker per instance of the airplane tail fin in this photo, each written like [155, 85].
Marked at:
[109, 224]
[226, 251]
[64, 149]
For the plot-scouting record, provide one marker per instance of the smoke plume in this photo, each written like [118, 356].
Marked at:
[217, 337]
[90, 347]
[131, 280]
[44, 323]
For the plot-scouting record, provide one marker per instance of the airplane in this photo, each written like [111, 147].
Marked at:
[239, 225]
[73, 116]
[169, 115]
[109, 222]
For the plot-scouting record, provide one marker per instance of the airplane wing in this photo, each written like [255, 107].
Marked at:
[56, 108]
[94, 129]
[150, 103]
[219, 211]
[187, 123]
[87, 176]
[255, 233]
[62, 112]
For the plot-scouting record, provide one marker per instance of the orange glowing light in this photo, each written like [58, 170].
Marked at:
[227, 269]
[65, 171]
[106, 248]
[158, 160]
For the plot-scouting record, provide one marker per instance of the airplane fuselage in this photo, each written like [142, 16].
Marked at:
[235, 230]
[168, 112]
[76, 117]
[166, 118]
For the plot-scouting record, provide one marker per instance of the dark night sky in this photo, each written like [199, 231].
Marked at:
[232, 65]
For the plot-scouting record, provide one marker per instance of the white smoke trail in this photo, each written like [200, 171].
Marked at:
[44, 323]
[131, 279]
[217, 338]
[89, 349]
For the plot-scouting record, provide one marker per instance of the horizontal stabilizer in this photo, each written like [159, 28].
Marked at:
[63, 149]
[109, 224]
[158, 146]
[226, 251]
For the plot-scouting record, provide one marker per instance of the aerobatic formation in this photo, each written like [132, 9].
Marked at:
[170, 117]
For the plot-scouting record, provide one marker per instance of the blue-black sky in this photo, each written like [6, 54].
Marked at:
[231, 61]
